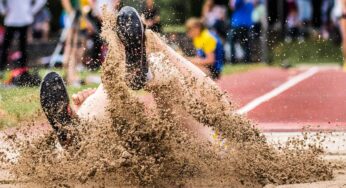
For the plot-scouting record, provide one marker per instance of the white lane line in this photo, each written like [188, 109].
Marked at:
[277, 91]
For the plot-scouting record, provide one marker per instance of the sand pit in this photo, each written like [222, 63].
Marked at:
[150, 146]
[338, 162]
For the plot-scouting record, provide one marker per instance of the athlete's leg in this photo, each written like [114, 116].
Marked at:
[128, 25]
[169, 91]
[94, 108]
[187, 70]
[131, 33]
[71, 77]
[184, 86]
[67, 48]
[163, 74]
[198, 94]
[172, 74]
[55, 104]
[178, 74]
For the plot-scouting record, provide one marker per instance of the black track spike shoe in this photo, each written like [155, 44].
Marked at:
[131, 32]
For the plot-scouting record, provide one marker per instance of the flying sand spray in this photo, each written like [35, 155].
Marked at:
[150, 146]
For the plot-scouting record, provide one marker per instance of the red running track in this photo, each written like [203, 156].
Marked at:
[244, 87]
[318, 101]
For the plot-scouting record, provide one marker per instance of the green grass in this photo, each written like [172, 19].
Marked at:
[238, 68]
[312, 51]
[174, 29]
[19, 105]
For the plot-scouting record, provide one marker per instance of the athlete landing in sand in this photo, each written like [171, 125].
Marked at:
[141, 72]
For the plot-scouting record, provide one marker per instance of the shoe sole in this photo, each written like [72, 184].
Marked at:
[55, 104]
[130, 30]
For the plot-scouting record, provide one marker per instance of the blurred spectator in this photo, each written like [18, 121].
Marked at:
[2, 35]
[258, 18]
[337, 10]
[334, 33]
[41, 25]
[241, 23]
[19, 15]
[207, 17]
[291, 4]
[74, 21]
[109, 5]
[293, 23]
[210, 52]
[95, 17]
[326, 10]
[214, 18]
[151, 14]
[305, 11]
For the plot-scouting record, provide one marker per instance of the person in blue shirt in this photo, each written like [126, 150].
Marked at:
[241, 23]
[209, 47]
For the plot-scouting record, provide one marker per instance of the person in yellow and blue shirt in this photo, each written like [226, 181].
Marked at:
[210, 51]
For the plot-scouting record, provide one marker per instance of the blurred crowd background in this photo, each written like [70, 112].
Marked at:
[250, 30]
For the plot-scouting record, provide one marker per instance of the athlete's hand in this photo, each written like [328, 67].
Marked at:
[81, 96]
